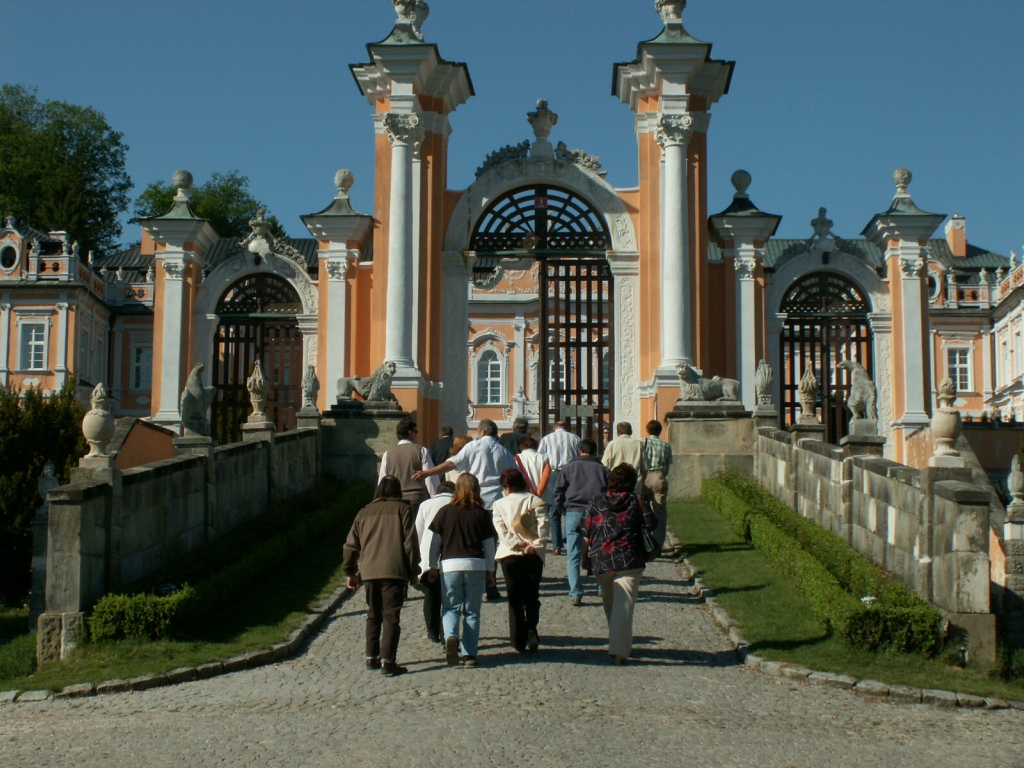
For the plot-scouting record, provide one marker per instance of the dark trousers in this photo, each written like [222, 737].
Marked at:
[432, 606]
[384, 598]
[522, 580]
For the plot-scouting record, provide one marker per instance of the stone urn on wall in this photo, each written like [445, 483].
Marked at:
[98, 424]
[946, 424]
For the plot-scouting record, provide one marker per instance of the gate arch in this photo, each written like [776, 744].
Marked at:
[256, 317]
[826, 322]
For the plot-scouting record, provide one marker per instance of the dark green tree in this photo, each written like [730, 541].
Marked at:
[61, 167]
[225, 200]
[33, 428]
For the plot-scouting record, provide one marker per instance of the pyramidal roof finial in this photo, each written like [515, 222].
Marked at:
[902, 177]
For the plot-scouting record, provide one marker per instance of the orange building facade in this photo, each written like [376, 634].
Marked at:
[540, 291]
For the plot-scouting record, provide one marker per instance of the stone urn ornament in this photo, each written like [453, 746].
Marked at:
[808, 396]
[259, 388]
[946, 424]
[98, 424]
[763, 384]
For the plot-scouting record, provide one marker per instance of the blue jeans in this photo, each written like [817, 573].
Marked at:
[574, 551]
[463, 592]
[555, 526]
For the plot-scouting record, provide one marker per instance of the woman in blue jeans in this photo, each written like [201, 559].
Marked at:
[464, 549]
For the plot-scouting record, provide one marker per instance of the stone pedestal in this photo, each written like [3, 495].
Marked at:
[862, 445]
[765, 416]
[203, 446]
[260, 430]
[810, 430]
[37, 598]
[355, 435]
[707, 437]
[57, 635]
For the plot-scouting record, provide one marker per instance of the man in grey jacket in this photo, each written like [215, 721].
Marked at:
[382, 553]
[581, 480]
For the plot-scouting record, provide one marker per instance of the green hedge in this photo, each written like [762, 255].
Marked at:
[152, 616]
[831, 574]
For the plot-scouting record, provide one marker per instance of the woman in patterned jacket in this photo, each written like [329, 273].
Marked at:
[612, 534]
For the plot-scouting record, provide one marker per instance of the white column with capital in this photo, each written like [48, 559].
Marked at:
[5, 337]
[173, 264]
[337, 311]
[403, 131]
[912, 266]
[61, 368]
[673, 134]
[746, 322]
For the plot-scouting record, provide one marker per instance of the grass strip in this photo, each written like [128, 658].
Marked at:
[779, 622]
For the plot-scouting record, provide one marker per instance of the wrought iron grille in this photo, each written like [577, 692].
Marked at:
[826, 323]
[577, 344]
[540, 217]
[268, 330]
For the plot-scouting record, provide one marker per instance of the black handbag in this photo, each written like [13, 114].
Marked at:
[652, 549]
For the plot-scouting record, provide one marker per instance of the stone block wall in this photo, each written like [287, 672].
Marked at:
[242, 485]
[295, 463]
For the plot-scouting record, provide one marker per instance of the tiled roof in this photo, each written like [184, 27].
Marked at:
[132, 258]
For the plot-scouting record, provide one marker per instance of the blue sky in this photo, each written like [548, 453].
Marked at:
[827, 98]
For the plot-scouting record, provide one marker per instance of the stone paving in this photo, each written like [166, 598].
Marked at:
[683, 699]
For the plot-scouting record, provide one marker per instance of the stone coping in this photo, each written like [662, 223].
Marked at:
[271, 655]
[160, 469]
[871, 690]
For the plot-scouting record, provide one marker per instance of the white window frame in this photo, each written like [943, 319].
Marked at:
[490, 356]
[953, 369]
[28, 326]
[137, 367]
[33, 316]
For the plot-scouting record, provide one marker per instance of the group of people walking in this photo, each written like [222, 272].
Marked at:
[507, 501]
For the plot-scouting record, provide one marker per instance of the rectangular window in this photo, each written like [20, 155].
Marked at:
[1005, 367]
[959, 368]
[83, 356]
[142, 368]
[33, 346]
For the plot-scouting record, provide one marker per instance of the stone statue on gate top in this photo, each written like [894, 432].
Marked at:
[195, 401]
[693, 387]
[259, 388]
[376, 388]
[310, 388]
[862, 399]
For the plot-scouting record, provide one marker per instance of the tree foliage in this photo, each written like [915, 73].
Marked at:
[225, 200]
[33, 428]
[62, 167]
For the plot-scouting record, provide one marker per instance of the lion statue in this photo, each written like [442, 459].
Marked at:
[195, 401]
[694, 387]
[376, 388]
[863, 395]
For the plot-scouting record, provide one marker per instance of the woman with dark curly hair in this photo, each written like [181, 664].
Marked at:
[612, 531]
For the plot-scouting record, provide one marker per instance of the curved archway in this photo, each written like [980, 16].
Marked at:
[826, 322]
[256, 318]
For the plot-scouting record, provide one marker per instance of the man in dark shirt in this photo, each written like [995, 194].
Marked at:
[440, 451]
[510, 440]
[581, 480]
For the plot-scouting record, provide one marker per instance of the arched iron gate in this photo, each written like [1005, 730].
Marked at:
[257, 319]
[826, 322]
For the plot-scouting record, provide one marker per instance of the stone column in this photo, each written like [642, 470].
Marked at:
[403, 131]
[917, 397]
[625, 266]
[337, 311]
[454, 327]
[746, 322]
[673, 134]
[61, 367]
[170, 357]
[5, 336]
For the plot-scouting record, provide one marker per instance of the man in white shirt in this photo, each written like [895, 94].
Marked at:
[404, 460]
[624, 449]
[431, 589]
[559, 447]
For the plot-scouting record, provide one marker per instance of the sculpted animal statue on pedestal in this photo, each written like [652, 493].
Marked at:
[195, 402]
[863, 395]
[696, 388]
[376, 388]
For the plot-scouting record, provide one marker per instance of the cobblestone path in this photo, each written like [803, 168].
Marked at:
[683, 700]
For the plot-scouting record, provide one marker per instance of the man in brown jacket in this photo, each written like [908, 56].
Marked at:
[382, 553]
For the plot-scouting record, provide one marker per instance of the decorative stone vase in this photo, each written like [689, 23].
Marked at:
[808, 396]
[259, 388]
[946, 424]
[98, 424]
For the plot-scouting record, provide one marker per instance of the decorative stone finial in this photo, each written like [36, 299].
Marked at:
[808, 397]
[1015, 482]
[98, 424]
[310, 388]
[9, 222]
[763, 381]
[946, 427]
[182, 181]
[741, 180]
[343, 180]
[671, 11]
[411, 14]
[543, 120]
[902, 177]
[822, 225]
[259, 388]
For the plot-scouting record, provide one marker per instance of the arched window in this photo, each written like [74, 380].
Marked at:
[488, 378]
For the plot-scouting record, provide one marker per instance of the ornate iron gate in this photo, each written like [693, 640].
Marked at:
[569, 237]
[257, 319]
[826, 323]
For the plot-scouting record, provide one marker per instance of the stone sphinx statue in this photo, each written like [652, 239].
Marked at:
[696, 388]
[376, 388]
[195, 401]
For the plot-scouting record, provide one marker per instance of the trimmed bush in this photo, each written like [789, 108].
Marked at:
[831, 574]
[119, 617]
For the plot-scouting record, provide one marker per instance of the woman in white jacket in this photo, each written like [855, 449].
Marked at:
[521, 521]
